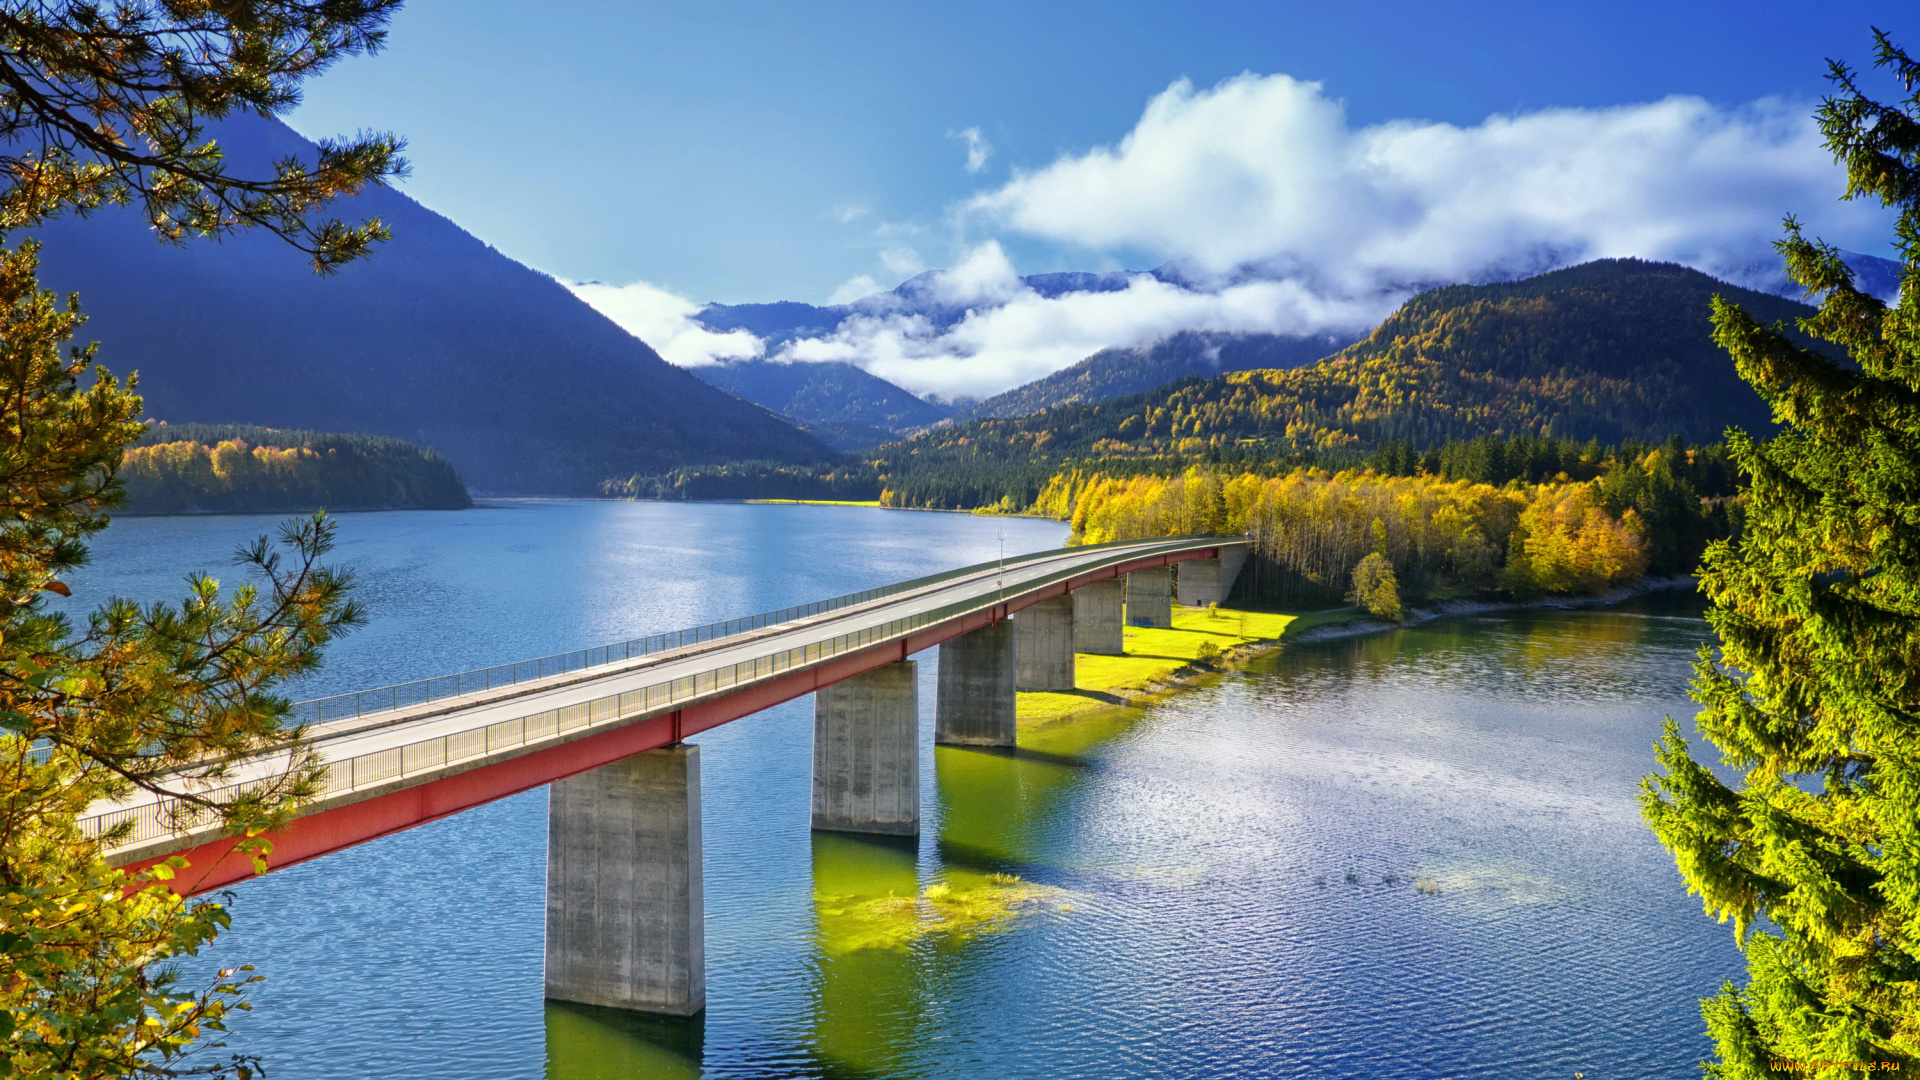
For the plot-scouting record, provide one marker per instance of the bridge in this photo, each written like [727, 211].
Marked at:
[607, 729]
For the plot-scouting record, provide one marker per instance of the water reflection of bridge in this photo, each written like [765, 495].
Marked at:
[607, 729]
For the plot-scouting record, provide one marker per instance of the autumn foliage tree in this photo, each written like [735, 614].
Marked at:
[110, 105]
[1813, 697]
[1314, 528]
[1374, 586]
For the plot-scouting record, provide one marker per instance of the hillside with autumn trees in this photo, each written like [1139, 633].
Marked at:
[227, 468]
[1471, 519]
[1617, 351]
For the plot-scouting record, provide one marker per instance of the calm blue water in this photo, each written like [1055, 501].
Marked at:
[1415, 855]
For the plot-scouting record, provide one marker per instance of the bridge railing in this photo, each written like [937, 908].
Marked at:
[442, 687]
[152, 821]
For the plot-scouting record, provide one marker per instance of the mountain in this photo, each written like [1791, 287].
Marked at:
[840, 393]
[1871, 274]
[1614, 350]
[1112, 373]
[846, 437]
[1124, 370]
[845, 401]
[776, 323]
[922, 296]
[438, 340]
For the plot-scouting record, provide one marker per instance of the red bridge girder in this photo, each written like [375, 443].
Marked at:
[216, 865]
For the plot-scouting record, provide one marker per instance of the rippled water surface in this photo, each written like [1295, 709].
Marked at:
[1413, 855]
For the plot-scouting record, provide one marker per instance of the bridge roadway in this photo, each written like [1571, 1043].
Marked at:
[398, 768]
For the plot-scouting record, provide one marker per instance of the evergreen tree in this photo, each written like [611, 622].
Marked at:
[1814, 696]
[107, 104]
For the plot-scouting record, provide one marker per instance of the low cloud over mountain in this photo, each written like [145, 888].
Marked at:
[1268, 212]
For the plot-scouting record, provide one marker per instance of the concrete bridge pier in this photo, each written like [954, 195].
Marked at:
[626, 923]
[1150, 597]
[1099, 626]
[1043, 645]
[974, 705]
[1210, 581]
[866, 753]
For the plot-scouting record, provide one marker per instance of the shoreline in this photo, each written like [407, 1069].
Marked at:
[1336, 624]
[1446, 609]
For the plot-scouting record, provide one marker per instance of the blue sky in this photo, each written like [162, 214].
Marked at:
[714, 148]
[1344, 154]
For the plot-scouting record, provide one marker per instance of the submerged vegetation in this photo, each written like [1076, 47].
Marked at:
[233, 468]
[962, 906]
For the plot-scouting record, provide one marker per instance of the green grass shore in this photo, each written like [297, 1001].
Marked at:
[1155, 658]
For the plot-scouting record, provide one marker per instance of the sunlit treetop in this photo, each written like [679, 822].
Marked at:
[109, 104]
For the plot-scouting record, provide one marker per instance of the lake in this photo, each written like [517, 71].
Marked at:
[1411, 855]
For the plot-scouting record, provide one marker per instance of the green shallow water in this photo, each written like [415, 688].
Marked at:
[1413, 855]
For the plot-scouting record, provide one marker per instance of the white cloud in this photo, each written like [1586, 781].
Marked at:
[984, 275]
[1021, 336]
[902, 261]
[1294, 221]
[665, 321]
[1266, 171]
[978, 148]
[853, 289]
[848, 213]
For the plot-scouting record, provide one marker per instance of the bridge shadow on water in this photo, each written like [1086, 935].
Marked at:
[901, 923]
[585, 1042]
[898, 922]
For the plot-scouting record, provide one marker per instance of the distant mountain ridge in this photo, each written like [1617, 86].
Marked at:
[1108, 373]
[1112, 373]
[1614, 350]
[850, 407]
[438, 340]
[784, 321]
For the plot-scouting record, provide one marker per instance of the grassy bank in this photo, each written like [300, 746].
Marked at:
[1155, 659]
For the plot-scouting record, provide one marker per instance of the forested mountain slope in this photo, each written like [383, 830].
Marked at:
[826, 393]
[437, 339]
[1616, 350]
[1117, 372]
[1613, 349]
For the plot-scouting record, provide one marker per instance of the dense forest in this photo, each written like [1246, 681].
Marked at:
[189, 468]
[1609, 352]
[1479, 526]
[752, 480]
[1118, 372]
[825, 393]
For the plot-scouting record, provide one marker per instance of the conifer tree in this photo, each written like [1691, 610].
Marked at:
[109, 104]
[1813, 697]
[103, 105]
